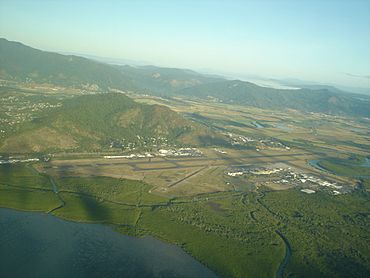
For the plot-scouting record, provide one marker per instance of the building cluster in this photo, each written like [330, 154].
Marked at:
[17, 110]
[184, 152]
[139, 141]
[181, 152]
[287, 176]
[13, 160]
[220, 151]
[258, 143]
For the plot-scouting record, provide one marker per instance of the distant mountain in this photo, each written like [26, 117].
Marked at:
[101, 121]
[164, 81]
[22, 63]
[245, 93]
[322, 87]
[107, 60]
[315, 85]
[339, 90]
[19, 62]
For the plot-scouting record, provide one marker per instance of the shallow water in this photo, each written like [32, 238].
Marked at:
[40, 245]
[315, 163]
[258, 125]
[283, 127]
[366, 163]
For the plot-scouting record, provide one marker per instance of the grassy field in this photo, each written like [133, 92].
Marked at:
[27, 199]
[129, 192]
[22, 176]
[310, 131]
[344, 168]
[92, 209]
[23, 188]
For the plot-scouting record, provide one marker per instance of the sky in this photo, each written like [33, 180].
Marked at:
[324, 41]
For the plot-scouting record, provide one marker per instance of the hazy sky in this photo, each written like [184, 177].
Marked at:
[327, 41]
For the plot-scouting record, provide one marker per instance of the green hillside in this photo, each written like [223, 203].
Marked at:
[102, 121]
[19, 62]
[164, 81]
[22, 63]
[323, 101]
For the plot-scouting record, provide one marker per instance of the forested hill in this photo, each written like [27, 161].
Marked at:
[115, 116]
[323, 100]
[98, 122]
[165, 81]
[19, 62]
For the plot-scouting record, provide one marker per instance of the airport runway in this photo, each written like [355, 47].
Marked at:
[177, 162]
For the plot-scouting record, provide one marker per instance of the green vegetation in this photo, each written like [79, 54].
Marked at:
[328, 234]
[220, 234]
[365, 184]
[90, 209]
[102, 121]
[346, 167]
[22, 63]
[19, 62]
[243, 231]
[123, 191]
[163, 81]
[115, 116]
[27, 199]
[21, 176]
[240, 92]
[232, 233]
[21, 187]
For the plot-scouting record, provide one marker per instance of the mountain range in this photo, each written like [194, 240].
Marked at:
[22, 63]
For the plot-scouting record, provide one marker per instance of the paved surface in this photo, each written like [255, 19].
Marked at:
[176, 162]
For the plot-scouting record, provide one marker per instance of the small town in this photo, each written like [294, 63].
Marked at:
[181, 152]
[258, 143]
